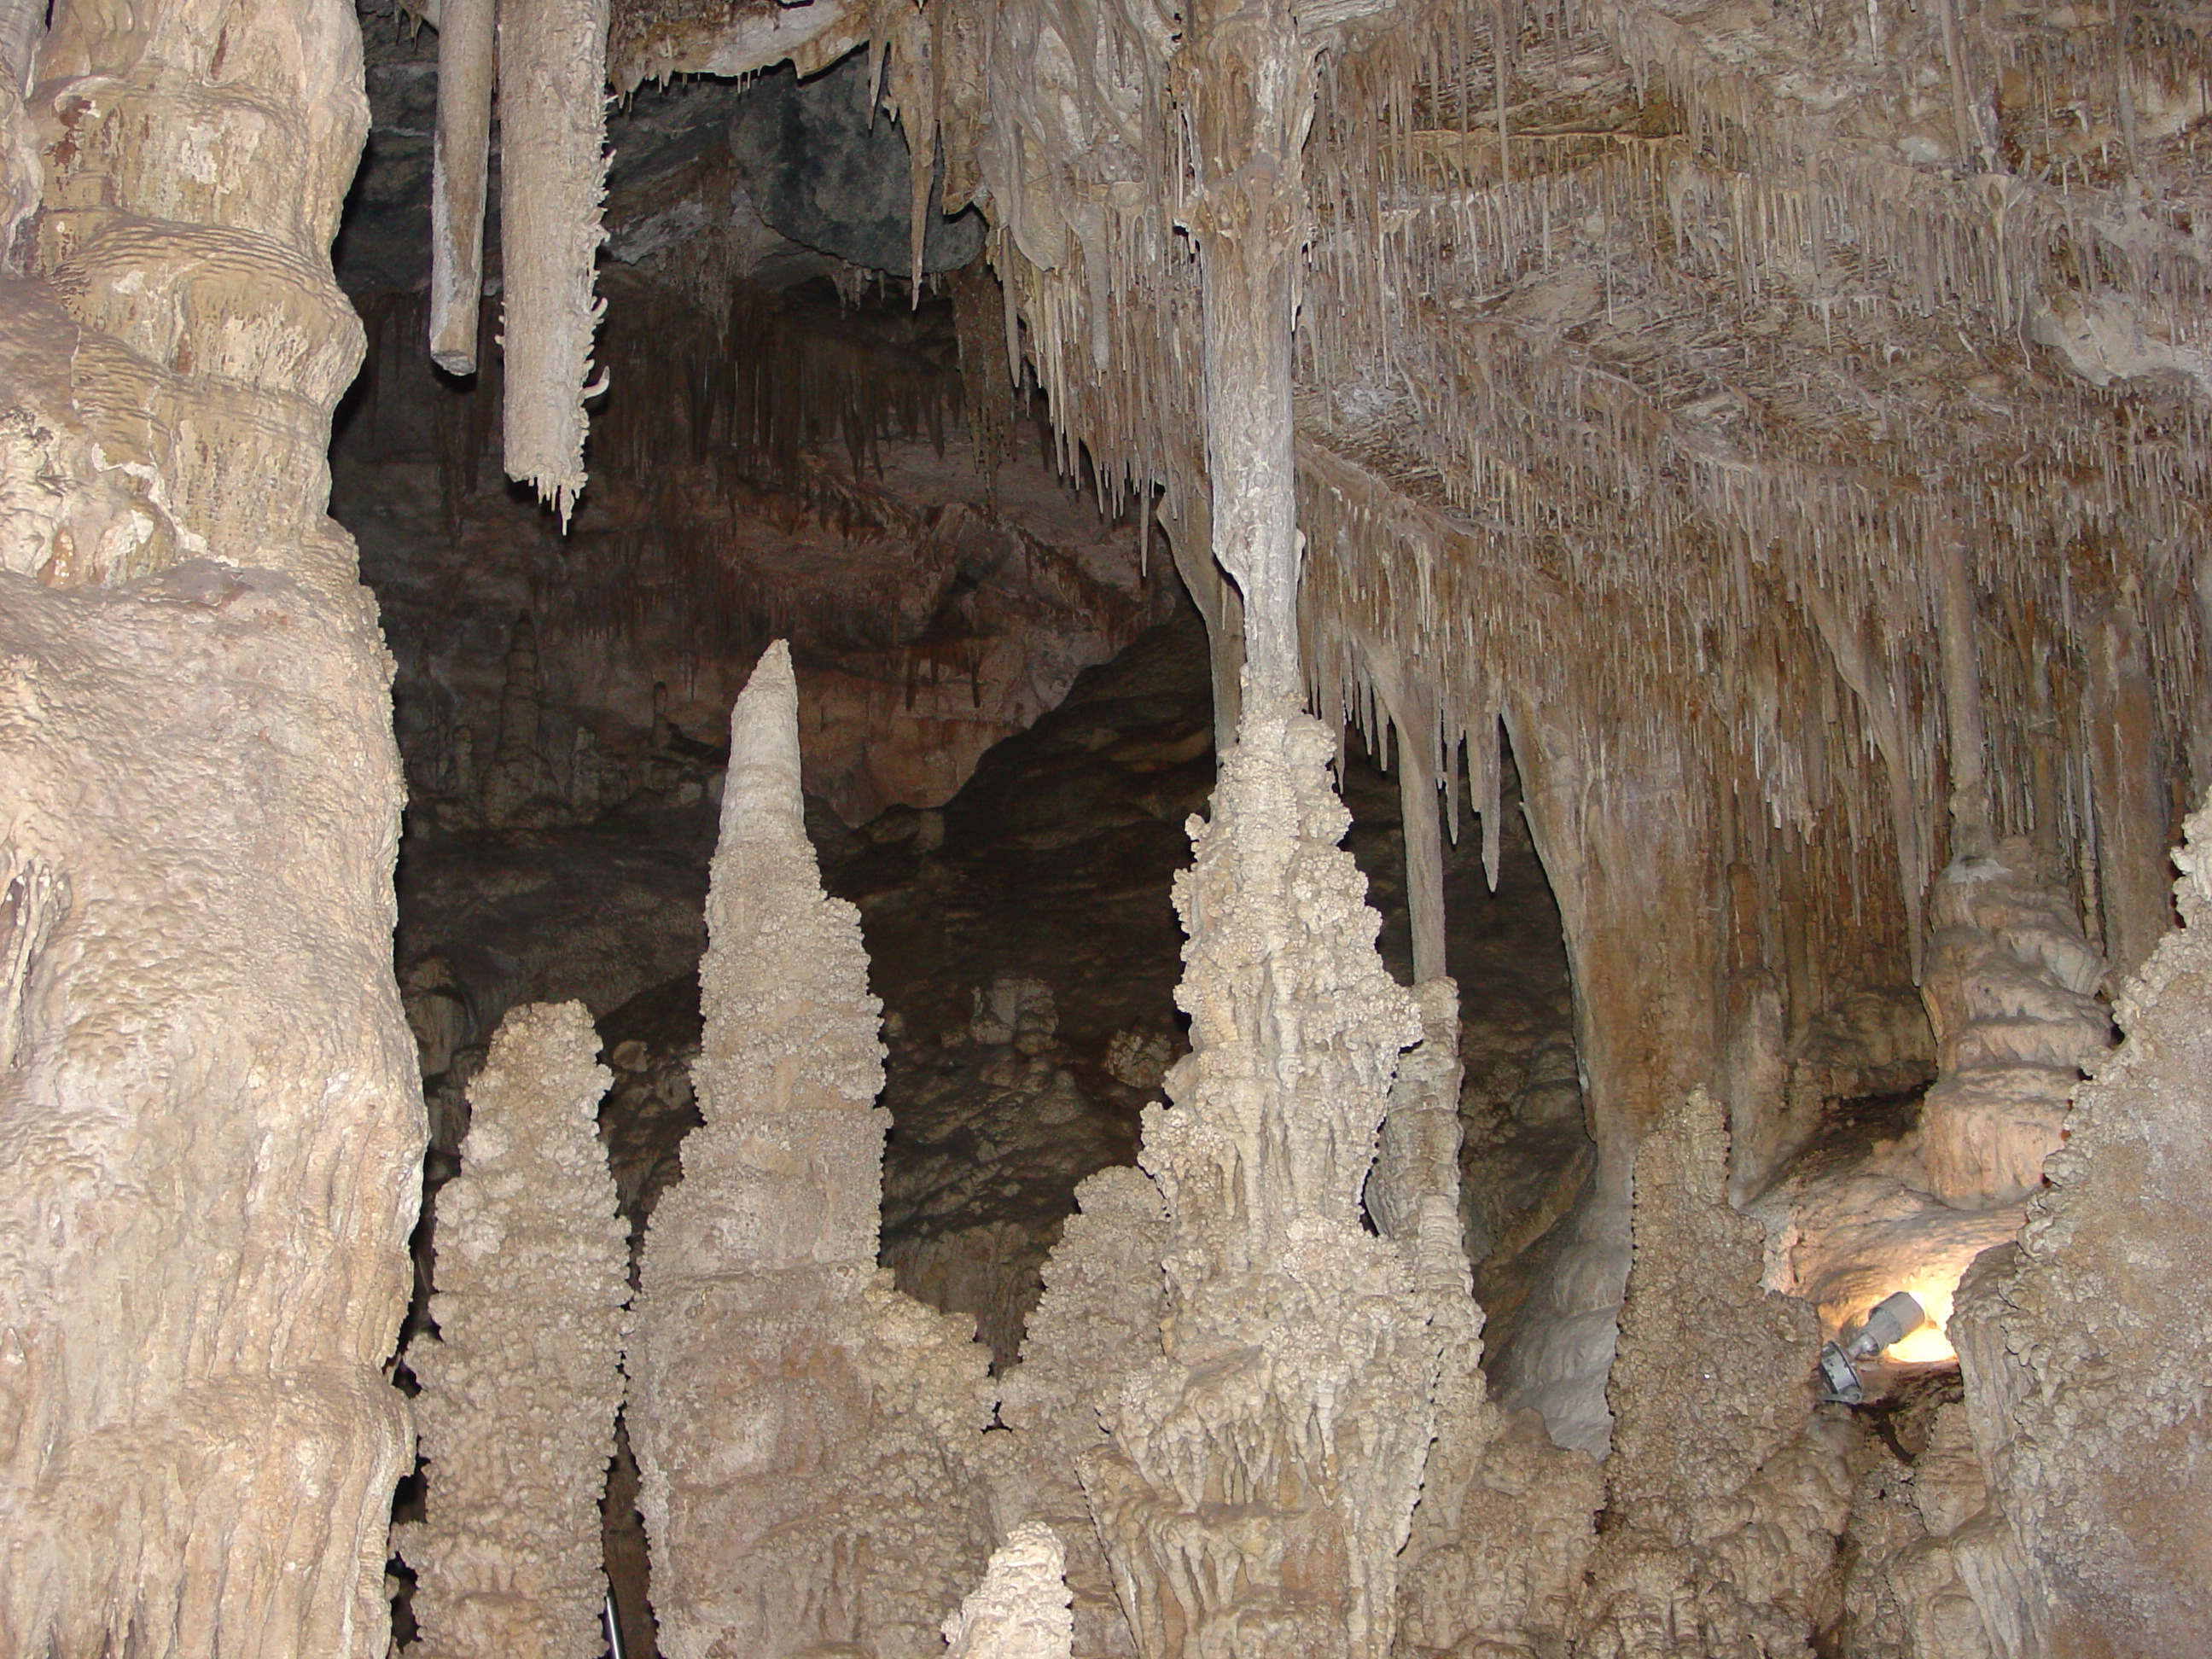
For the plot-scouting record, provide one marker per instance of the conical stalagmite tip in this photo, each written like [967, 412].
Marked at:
[762, 795]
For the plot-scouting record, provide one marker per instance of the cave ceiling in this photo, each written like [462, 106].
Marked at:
[1704, 376]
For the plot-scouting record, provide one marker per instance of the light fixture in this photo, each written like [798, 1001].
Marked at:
[1893, 1317]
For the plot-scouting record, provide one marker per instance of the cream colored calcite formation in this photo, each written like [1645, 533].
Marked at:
[553, 170]
[1262, 1472]
[1502, 1533]
[1728, 1493]
[2010, 991]
[806, 1436]
[522, 1382]
[1020, 1610]
[213, 1126]
[2084, 1348]
[1098, 1322]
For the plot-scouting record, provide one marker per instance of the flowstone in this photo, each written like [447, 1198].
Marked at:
[522, 1385]
[806, 1436]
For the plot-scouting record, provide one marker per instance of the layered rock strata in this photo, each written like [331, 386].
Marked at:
[805, 1433]
[522, 1385]
[213, 1120]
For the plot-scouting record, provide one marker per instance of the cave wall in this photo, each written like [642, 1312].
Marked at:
[211, 1095]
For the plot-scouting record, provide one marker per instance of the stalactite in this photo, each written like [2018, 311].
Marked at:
[520, 1387]
[552, 104]
[459, 168]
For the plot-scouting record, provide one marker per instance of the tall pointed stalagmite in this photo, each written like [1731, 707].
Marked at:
[553, 169]
[459, 163]
[802, 1428]
[522, 1385]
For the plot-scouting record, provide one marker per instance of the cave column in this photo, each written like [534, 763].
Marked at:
[212, 1104]
[1263, 1469]
[1251, 77]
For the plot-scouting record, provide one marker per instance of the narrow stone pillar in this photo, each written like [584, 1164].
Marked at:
[553, 170]
[522, 1382]
[1417, 810]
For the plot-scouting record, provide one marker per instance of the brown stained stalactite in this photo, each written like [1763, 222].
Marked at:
[521, 1384]
[459, 165]
[213, 1100]
[805, 1435]
[553, 168]
[1962, 702]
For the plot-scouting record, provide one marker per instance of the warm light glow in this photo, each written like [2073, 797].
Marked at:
[1933, 1287]
[1926, 1346]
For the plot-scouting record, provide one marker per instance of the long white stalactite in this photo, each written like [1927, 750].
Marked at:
[552, 77]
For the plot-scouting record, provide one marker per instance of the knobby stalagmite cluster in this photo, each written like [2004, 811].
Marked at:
[519, 1389]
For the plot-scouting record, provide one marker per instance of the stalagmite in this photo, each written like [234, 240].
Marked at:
[212, 1109]
[805, 1433]
[459, 164]
[1502, 1533]
[1020, 1610]
[522, 1382]
[1291, 1401]
[552, 129]
[1097, 1323]
[2087, 1389]
[1724, 1535]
